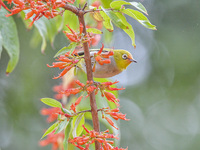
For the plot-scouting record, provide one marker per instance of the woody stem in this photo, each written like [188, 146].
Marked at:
[93, 104]
[80, 13]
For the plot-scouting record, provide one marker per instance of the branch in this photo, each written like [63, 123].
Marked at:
[72, 8]
[93, 104]
[94, 10]
[94, 111]
[84, 111]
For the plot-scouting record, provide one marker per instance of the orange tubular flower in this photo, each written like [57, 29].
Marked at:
[100, 57]
[2, 4]
[116, 115]
[111, 97]
[73, 106]
[65, 62]
[39, 8]
[92, 136]
[111, 123]
[55, 139]
[52, 113]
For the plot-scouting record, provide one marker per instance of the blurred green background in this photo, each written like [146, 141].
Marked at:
[162, 96]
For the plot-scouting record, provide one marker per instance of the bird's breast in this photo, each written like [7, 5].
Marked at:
[106, 70]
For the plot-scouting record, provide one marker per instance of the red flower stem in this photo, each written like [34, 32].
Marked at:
[80, 13]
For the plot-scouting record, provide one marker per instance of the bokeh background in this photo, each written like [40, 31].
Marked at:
[162, 96]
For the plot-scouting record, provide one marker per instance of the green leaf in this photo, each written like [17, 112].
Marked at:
[67, 132]
[50, 129]
[10, 39]
[107, 21]
[118, 4]
[70, 48]
[51, 102]
[51, 29]
[40, 25]
[94, 30]
[47, 29]
[117, 21]
[106, 3]
[139, 6]
[142, 19]
[128, 31]
[79, 121]
[72, 20]
[26, 22]
[64, 110]
[61, 126]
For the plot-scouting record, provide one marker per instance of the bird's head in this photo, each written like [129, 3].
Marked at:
[123, 58]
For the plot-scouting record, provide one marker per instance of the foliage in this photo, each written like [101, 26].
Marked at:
[71, 113]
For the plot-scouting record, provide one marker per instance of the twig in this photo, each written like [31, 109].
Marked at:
[84, 111]
[94, 10]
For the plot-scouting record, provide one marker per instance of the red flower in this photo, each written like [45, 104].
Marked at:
[100, 58]
[114, 113]
[111, 97]
[55, 139]
[39, 8]
[92, 136]
[65, 63]
[78, 37]
[52, 113]
[73, 106]
[111, 123]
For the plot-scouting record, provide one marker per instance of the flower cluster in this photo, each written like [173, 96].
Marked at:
[70, 60]
[101, 57]
[78, 37]
[92, 136]
[91, 86]
[52, 113]
[114, 113]
[39, 8]
[55, 139]
[65, 62]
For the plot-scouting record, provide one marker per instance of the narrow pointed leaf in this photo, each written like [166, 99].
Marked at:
[62, 125]
[51, 102]
[79, 121]
[70, 48]
[141, 18]
[94, 31]
[106, 3]
[50, 129]
[128, 31]
[118, 4]
[64, 110]
[107, 21]
[139, 6]
[67, 132]
[117, 21]
[40, 25]
[97, 16]
[9, 39]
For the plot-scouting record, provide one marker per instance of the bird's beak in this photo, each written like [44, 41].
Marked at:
[132, 60]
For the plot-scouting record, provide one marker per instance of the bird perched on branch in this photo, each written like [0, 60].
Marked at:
[107, 62]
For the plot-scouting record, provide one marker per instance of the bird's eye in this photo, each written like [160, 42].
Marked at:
[124, 56]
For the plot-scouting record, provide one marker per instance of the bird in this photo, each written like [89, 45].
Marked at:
[119, 61]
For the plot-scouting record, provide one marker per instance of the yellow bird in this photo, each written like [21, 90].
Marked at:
[119, 61]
